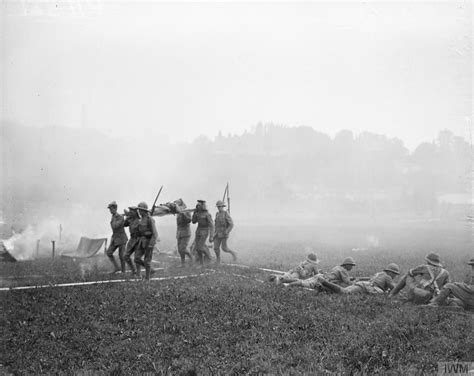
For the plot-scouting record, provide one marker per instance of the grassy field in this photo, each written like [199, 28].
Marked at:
[226, 321]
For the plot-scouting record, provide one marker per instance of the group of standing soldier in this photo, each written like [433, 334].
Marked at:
[143, 235]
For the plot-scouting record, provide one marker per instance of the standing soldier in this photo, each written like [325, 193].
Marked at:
[118, 240]
[205, 228]
[147, 238]
[183, 232]
[223, 226]
[132, 220]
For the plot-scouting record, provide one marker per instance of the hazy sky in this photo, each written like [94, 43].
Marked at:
[402, 69]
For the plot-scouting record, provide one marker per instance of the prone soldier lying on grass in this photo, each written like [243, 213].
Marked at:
[305, 269]
[338, 275]
[457, 294]
[423, 282]
[378, 284]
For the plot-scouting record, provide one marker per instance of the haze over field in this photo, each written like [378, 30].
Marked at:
[313, 112]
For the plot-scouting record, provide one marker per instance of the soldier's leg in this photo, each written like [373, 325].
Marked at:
[122, 250]
[181, 251]
[332, 286]
[200, 247]
[193, 250]
[147, 262]
[225, 248]
[128, 253]
[442, 296]
[354, 289]
[463, 296]
[185, 247]
[207, 253]
[217, 249]
[139, 252]
[110, 254]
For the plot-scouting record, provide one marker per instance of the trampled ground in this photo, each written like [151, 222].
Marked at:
[226, 321]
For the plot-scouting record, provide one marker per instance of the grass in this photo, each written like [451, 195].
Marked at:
[227, 322]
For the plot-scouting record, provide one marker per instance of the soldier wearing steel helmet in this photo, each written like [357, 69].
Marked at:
[183, 231]
[423, 282]
[132, 221]
[340, 273]
[204, 230]
[304, 271]
[380, 283]
[147, 238]
[223, 227]
[339, 276]
[118, 240]
[457, 294]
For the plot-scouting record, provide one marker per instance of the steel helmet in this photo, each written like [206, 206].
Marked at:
[142, 206]
[348, 261]
[394, 268]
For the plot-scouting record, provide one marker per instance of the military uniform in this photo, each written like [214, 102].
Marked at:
[378, 284]
[132, 224]
[423, 282]
[118, 240]
[338, 276]
[147, 238]
[302, 271]
[183, 234]
[223, 226]
[305, 270]
[205, 228]
[457, 294]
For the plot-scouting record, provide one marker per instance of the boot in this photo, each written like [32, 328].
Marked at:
[183, 261]
[218, 256]
[114, 263]
[131, 266]
[123, 265]
[147, 272]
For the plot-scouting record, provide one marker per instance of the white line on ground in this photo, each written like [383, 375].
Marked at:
[262, 269]
[100, 282]
[56, 275]
[246, 277]
[230, 264]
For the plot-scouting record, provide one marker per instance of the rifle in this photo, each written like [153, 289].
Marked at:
[226, 193]
[156, 199]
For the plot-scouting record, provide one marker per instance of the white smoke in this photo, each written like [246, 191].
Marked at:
[24, 245]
